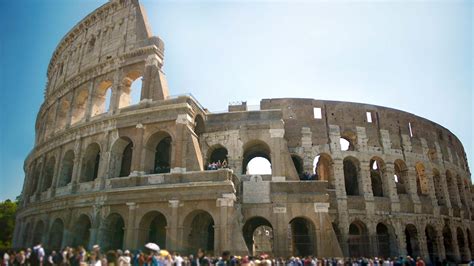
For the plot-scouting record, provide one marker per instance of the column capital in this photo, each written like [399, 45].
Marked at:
[173, 203]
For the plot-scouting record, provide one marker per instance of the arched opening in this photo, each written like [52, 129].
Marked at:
[401, 176]
[448, 244]
[63, 111]
[257, 160]
[26, 235]
[199, 126]
[323, 169]
[35, 178]
[302, 237]
[102, 98]
[385, 241]
[90, 164]
[81, 231]
[412, 243]
[199, 231]
[376, 177]
[217, 158]
[462, 244]
[121, 157]
[79, 108]
[431, 243]
[461, 190]
[438, 188]
[67, 166]
[298, 164]
[56, 235]
[452, 189]
[131, 89]
[38, 232]
[351, 176]
[158, 153]
[258, 236]
[48, 174]
[421, 180]
[358, 240]
[153, 229]
[113, 232]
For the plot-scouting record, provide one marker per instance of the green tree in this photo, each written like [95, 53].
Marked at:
[7, 223]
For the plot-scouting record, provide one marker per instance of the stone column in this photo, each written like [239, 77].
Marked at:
[104, 160]
[278, 162]
[225, 205]
[76, 170]
[440, 244]
[154, 85]
[137, 168]
[57, 169]
[454, 239]
[131, 232]
[71, 110]
[91, 94]
[116, 92]
[389, 173]
[179, 144]
[412, 191]
[172, 233]
[280, 232]
[402, 242]
[423, 244]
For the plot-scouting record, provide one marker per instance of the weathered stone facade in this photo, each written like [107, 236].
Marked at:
[131, 173]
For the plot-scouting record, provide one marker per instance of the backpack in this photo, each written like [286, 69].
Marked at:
[34, 258]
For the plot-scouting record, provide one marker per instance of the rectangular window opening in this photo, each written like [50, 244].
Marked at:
[369, 117]
[317, 113]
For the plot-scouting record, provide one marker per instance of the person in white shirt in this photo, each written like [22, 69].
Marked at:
[124, 259]
[178, 259]
[6, 259]
[39, 252]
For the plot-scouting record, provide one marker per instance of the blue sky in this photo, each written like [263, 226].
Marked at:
[415, 56]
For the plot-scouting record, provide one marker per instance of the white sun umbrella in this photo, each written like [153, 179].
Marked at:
[153, 247]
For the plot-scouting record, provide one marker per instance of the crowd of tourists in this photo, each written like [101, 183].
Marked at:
[217, 165]
[152, 255]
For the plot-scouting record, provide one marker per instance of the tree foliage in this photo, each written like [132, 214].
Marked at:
[7, 222]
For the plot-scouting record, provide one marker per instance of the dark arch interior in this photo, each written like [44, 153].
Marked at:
[351, 176]
[411, 238]
[383, 240]
[157, 230]
[448, 244]
[126, 163]
[113, 232]
[163, 156]
[298, 163]
[358, 240]
[201, 233]
[91, 161]
[81, 232]
[56, 235]
[376, 178]
[219, 157]
[431, 243]
[302, 232]
[65, 176]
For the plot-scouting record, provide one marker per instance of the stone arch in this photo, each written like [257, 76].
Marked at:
[303, 236]
[460, 187]
[432, 243]
[121, 157]
[81, 231]
[198, 231]
[38, 232]
[199, 126]
[153, 228]
[412, 240]
[36, 177]
[298, 164]
[113, 231]
[26, 233]
[452, 188]
[90, 163]
[56, 234]
[48, 174]
[323, 168]
[131, 89]
[401, 176]
[386, 240]
[255, 149]
[159, 152]
[352, 176]
[216, 154]
[438, 187]
[347, 141]
[102, 98]
[67, 167]
[79, 105]
[448, 243]
[422, 187]
[256, 237]
[63, 112]
[377, 177]
[462, 244]
[358, 239]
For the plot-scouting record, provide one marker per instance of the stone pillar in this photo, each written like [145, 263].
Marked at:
[440, 244]
[117, 88]
[76, 170]
[172, 233]
[412, 191]
[373, 241]
[389, 173]
[307, 144]
[454, 236]
[154, 85]
[90, 101]
[402, 242]
[57, 169]
[105, 156]
[280, 232]
[467, 248]
[179, 144]
[71, 110]
[131, 232]
[40, 179]
[278, 162]
[423, 244]
[137, 155]
[225, 205]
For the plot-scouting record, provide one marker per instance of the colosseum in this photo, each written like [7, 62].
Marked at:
[345, 179]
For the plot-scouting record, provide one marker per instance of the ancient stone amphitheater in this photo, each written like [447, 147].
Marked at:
[346, 179]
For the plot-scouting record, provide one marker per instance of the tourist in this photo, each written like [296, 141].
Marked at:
[37, 255]
[6, 259]
[201, 258]
[420, 262]
[225, 259]
[178, 260]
